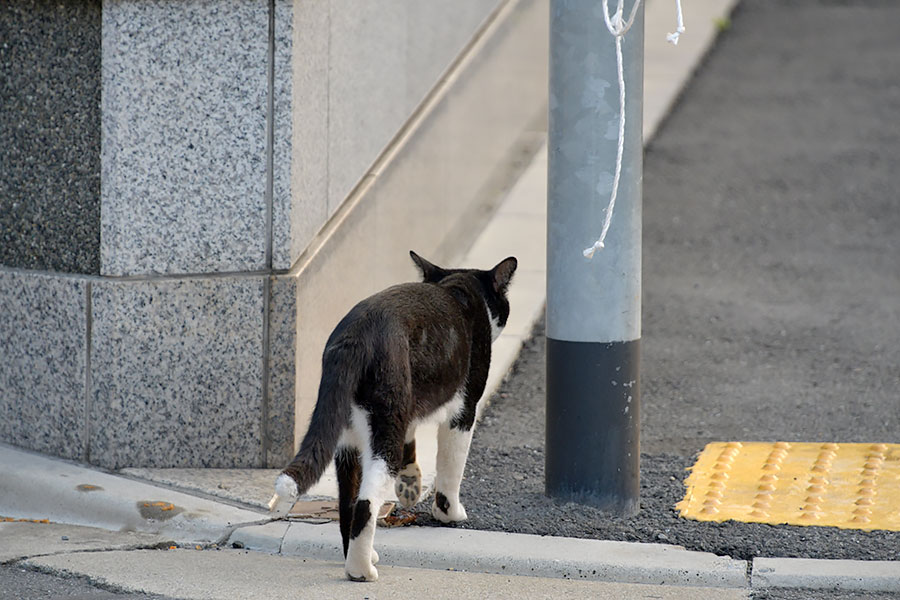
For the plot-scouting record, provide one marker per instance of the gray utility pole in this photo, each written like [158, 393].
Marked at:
[593, 305]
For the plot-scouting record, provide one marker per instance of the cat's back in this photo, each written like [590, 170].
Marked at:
[400, 310]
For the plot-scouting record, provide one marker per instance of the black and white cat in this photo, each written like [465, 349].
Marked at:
[413, 353]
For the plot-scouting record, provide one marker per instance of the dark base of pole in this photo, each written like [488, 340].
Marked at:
[593, 424]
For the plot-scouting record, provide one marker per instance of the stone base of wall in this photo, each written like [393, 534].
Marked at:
[151, 372]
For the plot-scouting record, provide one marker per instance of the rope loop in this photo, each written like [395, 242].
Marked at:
[618, 28]
[614, 23]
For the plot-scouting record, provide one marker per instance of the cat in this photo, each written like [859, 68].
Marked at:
[413, 353]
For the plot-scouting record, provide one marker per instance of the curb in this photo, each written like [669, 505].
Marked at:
[513, 554]
[38, 487]
[819, 574]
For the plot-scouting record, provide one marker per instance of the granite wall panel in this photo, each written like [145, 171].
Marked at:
[177, 373]
[42, 371]
[281, 371]
[50, 135]
[282, 133]
[185, 89]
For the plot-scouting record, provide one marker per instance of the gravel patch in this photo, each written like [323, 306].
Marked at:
[504, 491]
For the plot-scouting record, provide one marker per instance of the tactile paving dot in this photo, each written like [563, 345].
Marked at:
[852, 486]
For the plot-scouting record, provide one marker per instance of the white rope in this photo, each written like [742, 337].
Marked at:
[672, 38]
[618, 29]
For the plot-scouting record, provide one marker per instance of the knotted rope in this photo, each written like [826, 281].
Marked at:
[618, 28]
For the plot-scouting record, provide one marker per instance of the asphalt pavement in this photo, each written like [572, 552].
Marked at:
[771, 283]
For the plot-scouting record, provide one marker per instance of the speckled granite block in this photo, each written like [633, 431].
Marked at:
[42, 371]
[282, 257]
[50, 135]
[177, 373]
[185, 90]
[282, 372]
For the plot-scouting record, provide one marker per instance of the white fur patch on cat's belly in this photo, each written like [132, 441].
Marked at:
[444, 414]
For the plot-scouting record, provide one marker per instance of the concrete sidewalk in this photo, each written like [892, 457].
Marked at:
[215, 509]
[129, 563]
[42, 488]
[129, 554]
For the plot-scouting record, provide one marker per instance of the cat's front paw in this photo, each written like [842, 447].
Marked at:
[446, 511]
[408, 486]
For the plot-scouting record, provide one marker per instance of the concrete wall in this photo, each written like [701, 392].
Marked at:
[360, 69]
[432, 190]
[235, 138]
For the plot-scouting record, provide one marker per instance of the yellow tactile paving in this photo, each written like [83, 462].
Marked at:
[852, 486]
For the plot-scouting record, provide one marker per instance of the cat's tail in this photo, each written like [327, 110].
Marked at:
[340, 378]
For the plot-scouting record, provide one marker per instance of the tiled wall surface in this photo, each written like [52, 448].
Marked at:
[185, 162]
[149, 372]
[176, 372]
[280, 392]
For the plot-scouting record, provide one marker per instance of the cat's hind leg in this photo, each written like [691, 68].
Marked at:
[361, 556]
[349, 470]
[408, 485]
[453, 450]
[382, 445]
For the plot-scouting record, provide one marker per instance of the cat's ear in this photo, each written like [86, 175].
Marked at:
[430, 273]
[503, 272]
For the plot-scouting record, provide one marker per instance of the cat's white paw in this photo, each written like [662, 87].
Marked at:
[375, 558]
[408, 485]
[366, 572]
[446, 511]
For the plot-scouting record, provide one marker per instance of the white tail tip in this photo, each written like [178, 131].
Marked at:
[285, 490]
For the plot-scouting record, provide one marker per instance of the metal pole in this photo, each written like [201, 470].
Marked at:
[593, 305]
